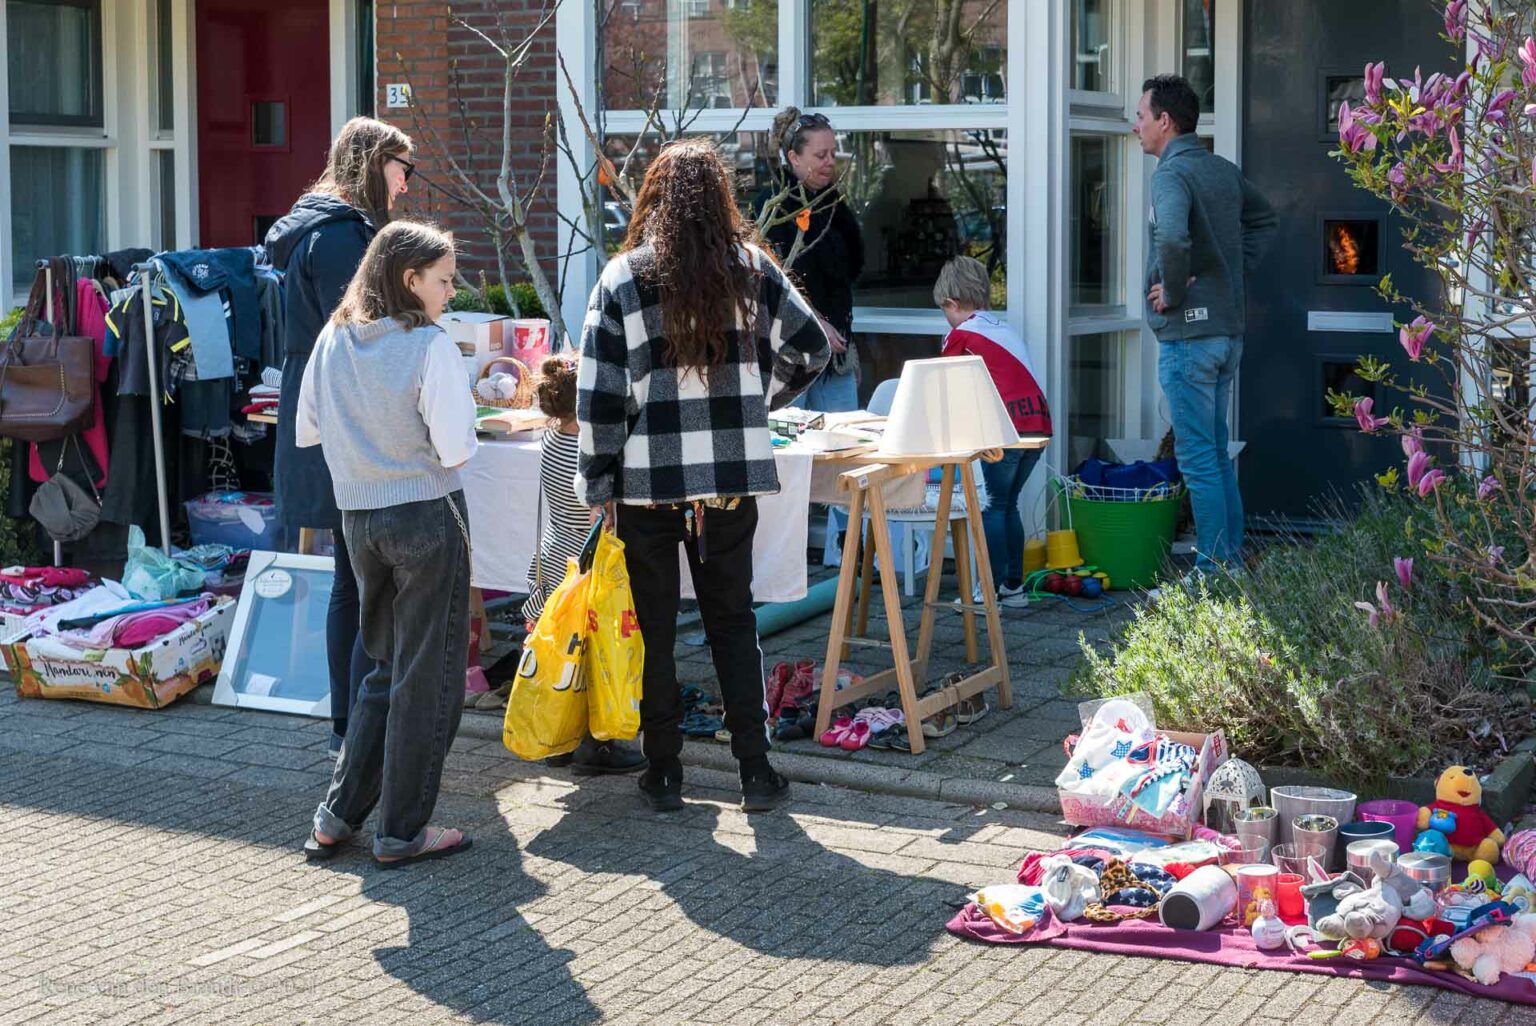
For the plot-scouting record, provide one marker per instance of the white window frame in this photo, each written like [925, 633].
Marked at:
[1119, 13]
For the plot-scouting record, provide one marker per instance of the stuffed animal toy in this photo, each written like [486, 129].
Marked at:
[1324, 893]
[1068, 888]
[1475, 835]
[1495, 950]
[1415, 900]
[1372, 913]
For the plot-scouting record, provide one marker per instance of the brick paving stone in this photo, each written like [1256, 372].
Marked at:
[576, 905]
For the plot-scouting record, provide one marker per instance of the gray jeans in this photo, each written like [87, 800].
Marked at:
[412, 566]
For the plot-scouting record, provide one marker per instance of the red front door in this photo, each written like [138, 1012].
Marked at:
[263, 112]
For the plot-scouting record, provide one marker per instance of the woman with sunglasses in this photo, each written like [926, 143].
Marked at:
[318, 246]
[832, 252]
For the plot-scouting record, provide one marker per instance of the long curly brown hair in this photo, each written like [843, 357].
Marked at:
[687, 215]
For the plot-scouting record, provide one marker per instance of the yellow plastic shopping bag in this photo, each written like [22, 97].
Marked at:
[547, 710]
[615, 649]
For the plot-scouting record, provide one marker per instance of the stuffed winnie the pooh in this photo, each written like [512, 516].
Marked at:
[1475, 836]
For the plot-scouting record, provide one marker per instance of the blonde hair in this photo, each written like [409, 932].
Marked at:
[378, 288]
[354, 170]
[965, 280]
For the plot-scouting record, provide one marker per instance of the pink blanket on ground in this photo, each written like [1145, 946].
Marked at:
[1228, 946]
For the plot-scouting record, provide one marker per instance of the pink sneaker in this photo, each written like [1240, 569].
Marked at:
[801, 686]
[778, 677]
[475, 682]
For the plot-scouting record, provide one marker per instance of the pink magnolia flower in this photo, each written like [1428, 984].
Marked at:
[1354, 136]
[1404, 568]
[1478, 227]
[1413, 336]
[1530, 110]
[1363, 416]
[1528, 59]
[1374, 74]
[1413, 442]
[1454, 163]
[1430, 481]
[1418, 465]
[1456, 19]
[1487, 486]
[1380, 613]
[1498, 107]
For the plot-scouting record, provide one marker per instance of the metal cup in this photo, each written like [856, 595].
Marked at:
[1315, 828]
[1261, 821]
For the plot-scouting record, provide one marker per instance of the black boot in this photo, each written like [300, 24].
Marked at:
[595, 757]
[662, 786]
[762, 787]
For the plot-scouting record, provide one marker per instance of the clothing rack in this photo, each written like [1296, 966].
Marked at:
[47, 269]
[145, 272]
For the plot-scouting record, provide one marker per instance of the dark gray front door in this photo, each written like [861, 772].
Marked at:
[1312, 308]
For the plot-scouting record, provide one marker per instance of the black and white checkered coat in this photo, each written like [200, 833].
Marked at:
[651, 433]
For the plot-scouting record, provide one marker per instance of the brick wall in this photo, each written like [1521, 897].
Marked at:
[458, 81]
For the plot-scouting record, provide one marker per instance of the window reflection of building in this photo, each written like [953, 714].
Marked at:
[729, 51]
[908, 52]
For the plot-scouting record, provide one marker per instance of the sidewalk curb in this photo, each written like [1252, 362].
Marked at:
[858, 776]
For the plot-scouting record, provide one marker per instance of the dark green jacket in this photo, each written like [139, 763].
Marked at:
[1208, 223]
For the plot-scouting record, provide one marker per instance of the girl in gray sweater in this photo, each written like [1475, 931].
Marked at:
[384, 395]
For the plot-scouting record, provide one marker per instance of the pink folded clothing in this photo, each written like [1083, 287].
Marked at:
[36, 587]
[133, 630]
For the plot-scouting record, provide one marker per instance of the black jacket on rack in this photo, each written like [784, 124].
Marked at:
[318, 247]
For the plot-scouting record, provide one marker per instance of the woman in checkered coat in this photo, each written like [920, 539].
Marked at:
[692, 335]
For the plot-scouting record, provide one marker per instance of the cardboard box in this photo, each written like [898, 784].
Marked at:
[1182, 816]
[487, 336]
[149, 677]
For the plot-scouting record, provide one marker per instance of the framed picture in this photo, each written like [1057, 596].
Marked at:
[276, 658]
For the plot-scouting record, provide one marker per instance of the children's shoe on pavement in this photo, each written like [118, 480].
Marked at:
[595, 758]
[971, 709]
[662, 787]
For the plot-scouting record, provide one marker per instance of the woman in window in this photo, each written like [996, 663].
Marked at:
[318, 246]
[823, 249]
[692, 335]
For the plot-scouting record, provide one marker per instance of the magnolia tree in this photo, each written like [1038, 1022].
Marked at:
[1455, 155]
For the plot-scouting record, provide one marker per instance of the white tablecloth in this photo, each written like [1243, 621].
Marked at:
[501, 485]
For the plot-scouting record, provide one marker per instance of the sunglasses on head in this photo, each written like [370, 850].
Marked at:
[410, 169]
[803, 122]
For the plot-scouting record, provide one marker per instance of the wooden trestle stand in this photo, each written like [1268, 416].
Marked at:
[864, 485]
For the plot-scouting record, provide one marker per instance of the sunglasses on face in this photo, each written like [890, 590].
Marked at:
[410, 169]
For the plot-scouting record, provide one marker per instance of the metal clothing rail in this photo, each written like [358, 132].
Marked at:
[145, 272]
[47, 269]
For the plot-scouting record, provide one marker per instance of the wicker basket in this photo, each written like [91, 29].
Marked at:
[525, 384]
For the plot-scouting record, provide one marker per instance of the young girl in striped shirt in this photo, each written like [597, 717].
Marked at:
[563, 530]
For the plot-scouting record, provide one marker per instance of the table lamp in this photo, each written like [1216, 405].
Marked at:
[946, 406]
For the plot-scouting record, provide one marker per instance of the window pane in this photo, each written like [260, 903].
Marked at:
[54, 62]
[1092, 56]
[269, 123]
[165, 199]
[1199, 53]
[920, 197]
[56, 206]
[908, 51]
[881, 357]
[746, 152]
[1095, 400]
[365, 58]
[1096, 220]
[165, 64]
[692, 54]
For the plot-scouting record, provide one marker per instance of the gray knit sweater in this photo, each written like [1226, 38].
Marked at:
[363, 395]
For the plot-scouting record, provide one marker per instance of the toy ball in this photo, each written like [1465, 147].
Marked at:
[1092, 588]
[1072, 585]
[1433, 841]
[1053, 582]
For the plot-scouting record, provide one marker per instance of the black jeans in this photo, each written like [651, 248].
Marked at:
[723, 583]
[344, 654]
[412, 564]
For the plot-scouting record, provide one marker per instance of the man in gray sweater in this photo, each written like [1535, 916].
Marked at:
[1209, 228]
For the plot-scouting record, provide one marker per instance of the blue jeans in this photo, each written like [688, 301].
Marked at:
[412, 565]
[1197, 378]
[1000, 516]
[831, 393]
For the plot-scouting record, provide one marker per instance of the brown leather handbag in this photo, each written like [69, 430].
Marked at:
[47, 388]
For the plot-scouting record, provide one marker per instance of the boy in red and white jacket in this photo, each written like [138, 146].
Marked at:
[963, 292]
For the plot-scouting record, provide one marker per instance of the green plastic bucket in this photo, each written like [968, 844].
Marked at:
[1128, 540]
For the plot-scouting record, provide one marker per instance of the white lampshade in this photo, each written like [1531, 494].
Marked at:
[944, 406]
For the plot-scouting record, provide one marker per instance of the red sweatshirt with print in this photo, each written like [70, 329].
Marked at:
[985, 335]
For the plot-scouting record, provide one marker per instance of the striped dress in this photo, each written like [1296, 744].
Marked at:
[566, 520]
